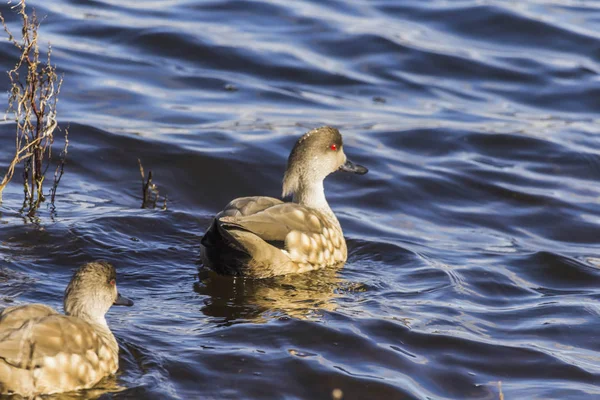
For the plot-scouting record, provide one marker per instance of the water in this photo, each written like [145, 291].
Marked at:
[473, 266]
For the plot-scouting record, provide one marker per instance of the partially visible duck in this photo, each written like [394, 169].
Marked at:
[44, 352]
[261, 237]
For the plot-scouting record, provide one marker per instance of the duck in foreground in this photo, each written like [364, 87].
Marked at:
[44, 352]
[262, 237]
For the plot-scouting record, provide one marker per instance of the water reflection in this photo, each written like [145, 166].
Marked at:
[302, 296]
[103, 390]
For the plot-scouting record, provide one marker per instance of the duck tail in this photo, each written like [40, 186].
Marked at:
[221, 252]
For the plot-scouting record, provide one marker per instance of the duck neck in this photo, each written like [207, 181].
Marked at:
[101, 328]
[98, 321]
[86, 310]
[105, 333]
[312, 195]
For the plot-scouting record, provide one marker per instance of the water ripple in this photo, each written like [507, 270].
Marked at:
[473, 270]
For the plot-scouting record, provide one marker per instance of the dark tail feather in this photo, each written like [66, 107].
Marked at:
[222, 253]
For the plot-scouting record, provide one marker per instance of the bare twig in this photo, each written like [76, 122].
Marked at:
[143, 184]
[33, 106]
[150, 193]
[60, 168]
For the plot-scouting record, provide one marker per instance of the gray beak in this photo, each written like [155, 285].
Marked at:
[349, 166]
[122, 301]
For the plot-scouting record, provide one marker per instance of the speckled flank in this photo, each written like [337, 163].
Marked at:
[67, 371]
[318, 249]
[321, 245]
[54, 354]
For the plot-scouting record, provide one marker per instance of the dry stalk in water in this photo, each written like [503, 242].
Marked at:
[33, 106]
[149, 190]
[60, 168]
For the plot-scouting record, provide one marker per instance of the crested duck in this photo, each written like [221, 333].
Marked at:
[261, 237]
[44, 352]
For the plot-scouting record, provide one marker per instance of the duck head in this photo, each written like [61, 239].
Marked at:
[316, 155]
[92, 291]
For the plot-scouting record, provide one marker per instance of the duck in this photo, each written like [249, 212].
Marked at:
[262, 237]
[45, 352]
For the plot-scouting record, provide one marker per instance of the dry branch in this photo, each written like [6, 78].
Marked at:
[150, 192]
[33, 107]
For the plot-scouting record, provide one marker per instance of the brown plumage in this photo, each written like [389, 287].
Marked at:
[263, 236]
[43, 352]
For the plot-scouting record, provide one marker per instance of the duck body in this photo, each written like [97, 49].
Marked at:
[262, 237]
[44, 352]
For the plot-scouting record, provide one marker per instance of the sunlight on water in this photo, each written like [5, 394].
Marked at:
[473, 269]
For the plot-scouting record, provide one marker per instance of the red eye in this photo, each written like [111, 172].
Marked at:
[333, 147]
[113, 282]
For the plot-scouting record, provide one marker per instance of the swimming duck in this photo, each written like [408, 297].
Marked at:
[44, 352]
[261, 237]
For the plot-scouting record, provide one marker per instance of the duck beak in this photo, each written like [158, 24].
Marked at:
[122, 301]
[349, 166]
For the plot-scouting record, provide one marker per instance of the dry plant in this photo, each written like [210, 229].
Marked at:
[33, 106]
[149, 190]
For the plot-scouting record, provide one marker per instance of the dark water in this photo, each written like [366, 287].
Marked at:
[473, 266]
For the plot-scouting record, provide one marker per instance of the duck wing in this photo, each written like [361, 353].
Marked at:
[275, 223]
[244, 206]
[262, 237]
[286, 238]
[15, 316]
[52, 354]
[240, 207]
[33, 342]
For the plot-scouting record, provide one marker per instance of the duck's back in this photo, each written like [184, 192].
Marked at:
[13, 317]
[245, 206]
[42, 351]
[263, 236]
